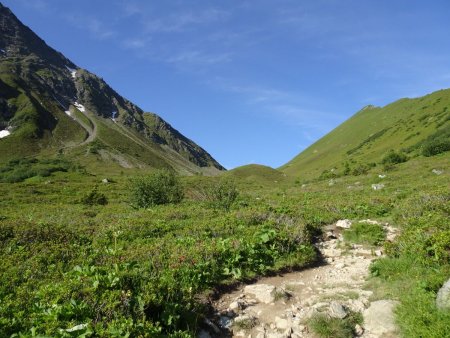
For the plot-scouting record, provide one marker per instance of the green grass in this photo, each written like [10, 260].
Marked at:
[372, 132]
[326, 327]
[365, 233]
[56, 251]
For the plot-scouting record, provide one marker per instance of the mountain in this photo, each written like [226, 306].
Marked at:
[48, 106]
[407, 127]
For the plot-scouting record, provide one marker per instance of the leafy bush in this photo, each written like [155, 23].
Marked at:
[222, 194]
[94, 198]
[160, 187]
[362, 169]
[392, 158]
[436, 146]
[19, 170]
[436, 143]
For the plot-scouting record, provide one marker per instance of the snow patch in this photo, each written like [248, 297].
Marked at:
[80, 107]
[68, 112]
[72, 71]
[4, 133]
[113, 116]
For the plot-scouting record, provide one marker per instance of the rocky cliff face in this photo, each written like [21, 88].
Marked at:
[36, 81]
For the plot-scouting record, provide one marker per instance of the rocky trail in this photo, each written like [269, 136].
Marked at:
[281, 306]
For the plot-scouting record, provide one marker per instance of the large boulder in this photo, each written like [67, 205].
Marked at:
[443, 296]
[262, 292]
[379, 318]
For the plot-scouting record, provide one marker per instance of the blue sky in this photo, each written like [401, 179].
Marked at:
[252, 81]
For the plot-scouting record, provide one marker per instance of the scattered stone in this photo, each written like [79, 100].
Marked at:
[225, 322]
[330, 235]
[105, 180]
[340, 266]
[281, 323]
[378, 253]
[381, 176]
[235, 306]
[344, 224]
[331, 182]
[379, 318]
[437, 171]
[369, 221]
[443, 296]
[358, 330]
[262, 292]
[378, 186]
[337, 310]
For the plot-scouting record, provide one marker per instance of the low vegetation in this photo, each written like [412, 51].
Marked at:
[327, 327]
[93, 269]
[365, 233]
[159, 187]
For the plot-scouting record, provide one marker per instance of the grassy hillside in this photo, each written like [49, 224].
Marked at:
[372, 132]
[257, 174]
[112, 268]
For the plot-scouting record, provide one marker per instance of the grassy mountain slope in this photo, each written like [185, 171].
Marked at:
[39, 86]
[372, 132]
[256, 173]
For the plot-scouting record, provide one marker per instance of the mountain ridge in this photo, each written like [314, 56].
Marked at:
[404, 126]
[38, 84]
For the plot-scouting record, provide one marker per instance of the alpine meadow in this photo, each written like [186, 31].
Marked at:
[115, 224]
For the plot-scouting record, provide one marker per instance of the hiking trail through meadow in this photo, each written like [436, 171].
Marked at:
[280, 306]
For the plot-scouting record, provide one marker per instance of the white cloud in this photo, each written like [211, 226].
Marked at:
[178, 22]
[196, 57]
[98, 29]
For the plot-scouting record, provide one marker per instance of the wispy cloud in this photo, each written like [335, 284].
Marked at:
[37, 5]
[182, 21]
[196, 57]
[98, 29]
[136, 43]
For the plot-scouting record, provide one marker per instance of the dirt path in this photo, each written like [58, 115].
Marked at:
[92, 132]
[280, 306]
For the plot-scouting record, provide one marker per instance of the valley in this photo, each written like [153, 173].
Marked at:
[115, 224]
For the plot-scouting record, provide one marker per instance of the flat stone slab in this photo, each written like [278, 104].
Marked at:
[262, 292]
[379, 318]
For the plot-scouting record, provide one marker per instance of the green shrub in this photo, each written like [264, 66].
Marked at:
[160, 187]
[436, 146]
[361, 169]
[394, 158]
[222, 194]
[94, 198]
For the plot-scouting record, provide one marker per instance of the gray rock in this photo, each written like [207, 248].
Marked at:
[105, 180]
[281, 323]
[340, 266]
[225, 322]
[344, 224]
[359, 330]
[337, 310]
[437, 171]
[235, 306]
[262, 292]
[379, 318]
[378, 186]
[443, 296]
